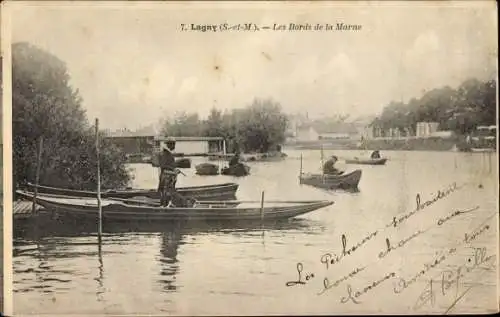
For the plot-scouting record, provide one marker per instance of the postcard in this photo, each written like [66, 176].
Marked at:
[250, 158]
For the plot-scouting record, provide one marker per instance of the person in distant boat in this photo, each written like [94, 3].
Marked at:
[329, 166]
[168, 175]
[375, 154]
[235, 160]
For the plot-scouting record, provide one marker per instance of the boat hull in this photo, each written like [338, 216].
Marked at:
[380, 161]
[346, 181]
[119, 211]
[207, 192]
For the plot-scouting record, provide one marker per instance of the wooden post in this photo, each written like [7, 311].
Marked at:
[300, 164]
[262, 207]
[300, 175]
[322, 156]
[37, 175]
[98, 178]
[322, 162]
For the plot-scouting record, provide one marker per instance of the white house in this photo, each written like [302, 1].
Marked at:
[306, 134]
[425, 129]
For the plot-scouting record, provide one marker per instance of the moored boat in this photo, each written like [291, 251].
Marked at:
[138, 201]
[325, 181]
[113, 210]
[237, 170]
[368, 161]
[207, 169]
[205, 192]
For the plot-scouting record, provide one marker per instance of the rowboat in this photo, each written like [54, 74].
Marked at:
[369, 161]
[236, 170]
[325, 181]
[207, 169]
[206, 192]
[113, 210]
[140, 200]
[482, 150]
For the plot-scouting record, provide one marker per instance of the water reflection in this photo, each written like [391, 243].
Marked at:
[46, 227]
[169, 264]
[100, 276]
[47, 251]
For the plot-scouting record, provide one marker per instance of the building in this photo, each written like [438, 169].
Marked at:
[426, 129]
[191, 145]
[148, 142]
[305, 133]
[132, 142]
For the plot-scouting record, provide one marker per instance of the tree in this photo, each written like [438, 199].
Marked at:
[263, 125]
[461, 110]
[45, 105]
[257, 127]
[182, 124]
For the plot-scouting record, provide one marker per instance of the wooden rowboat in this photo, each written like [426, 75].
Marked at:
[207, 192]
[370, 161]
[343, 181]
[139, 201]
[113, 210]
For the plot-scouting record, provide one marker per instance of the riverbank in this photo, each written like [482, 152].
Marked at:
[410, 144]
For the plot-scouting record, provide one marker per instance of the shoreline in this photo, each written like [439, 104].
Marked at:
[433, 144]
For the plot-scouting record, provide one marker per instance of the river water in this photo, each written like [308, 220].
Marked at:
[226, 271]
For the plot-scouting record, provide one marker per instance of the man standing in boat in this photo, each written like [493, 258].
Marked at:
[329, 167]
[168, 175]
[235, 160]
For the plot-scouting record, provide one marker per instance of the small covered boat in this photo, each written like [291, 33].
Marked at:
[205, 192]
[183, 163]
[325, 181]
[368, 161]
[237, 170]
[207, 169]
[113, 210]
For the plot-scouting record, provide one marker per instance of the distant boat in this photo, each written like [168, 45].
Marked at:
[482, 150]
[113, 210]
[325, 181]
[369, 161]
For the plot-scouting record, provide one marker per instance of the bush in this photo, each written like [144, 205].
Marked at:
[45, 105]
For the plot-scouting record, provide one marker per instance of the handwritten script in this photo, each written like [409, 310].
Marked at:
[446, 282]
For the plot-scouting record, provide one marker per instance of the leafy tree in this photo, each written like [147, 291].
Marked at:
[182, 124]
[257, 127]
[461, 110]
[45, 105]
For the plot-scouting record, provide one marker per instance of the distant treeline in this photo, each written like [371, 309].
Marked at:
[44, 105]
[461, 110]
[259, 126]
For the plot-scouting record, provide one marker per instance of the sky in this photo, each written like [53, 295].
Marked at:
[133, 65]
